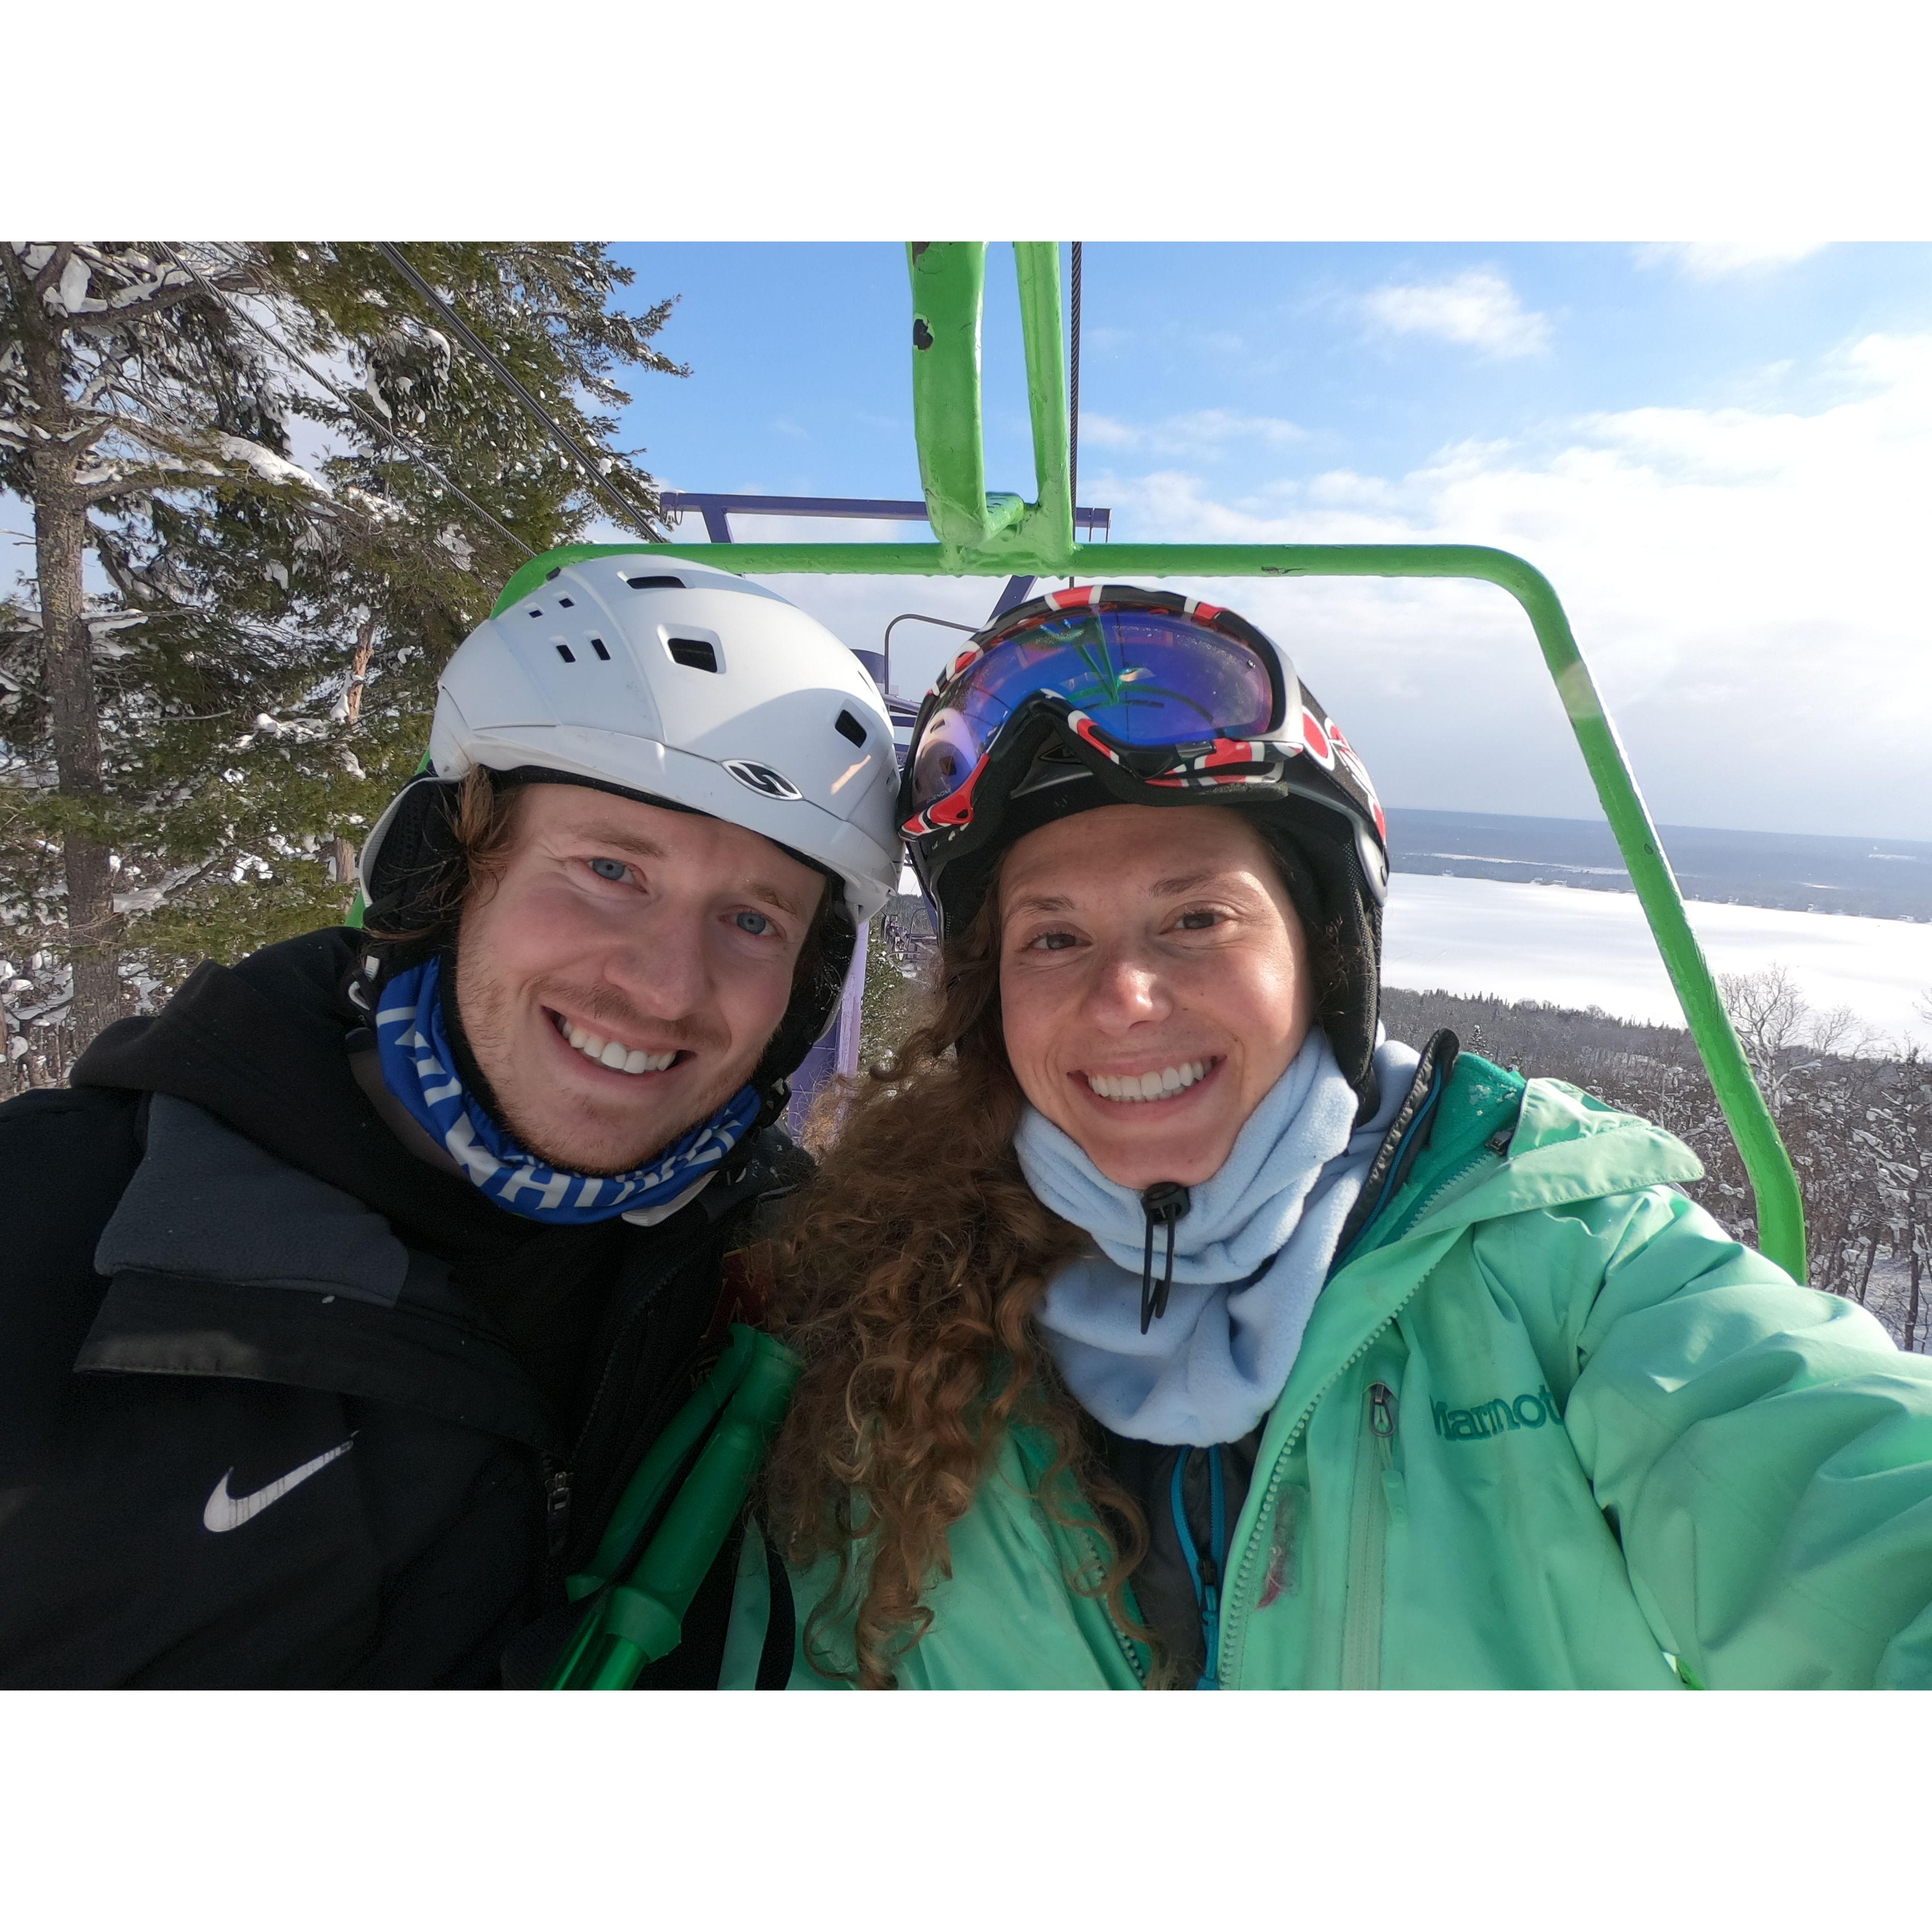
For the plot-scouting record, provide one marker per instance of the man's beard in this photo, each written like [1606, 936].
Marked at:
[487, 1014]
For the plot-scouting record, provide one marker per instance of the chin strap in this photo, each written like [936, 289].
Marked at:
[1163, 1204]
[773, 1098]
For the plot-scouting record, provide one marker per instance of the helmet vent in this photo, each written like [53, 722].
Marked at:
[597, 645]
[655, 583]
[569, 656]
[693, 651]
[849, 727]
[565, 603]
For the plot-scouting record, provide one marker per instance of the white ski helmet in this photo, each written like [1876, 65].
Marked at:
[678, 684]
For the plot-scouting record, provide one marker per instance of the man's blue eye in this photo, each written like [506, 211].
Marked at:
[754, 923]
[613, 869]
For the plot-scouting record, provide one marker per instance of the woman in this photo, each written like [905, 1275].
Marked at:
[1172, 1330]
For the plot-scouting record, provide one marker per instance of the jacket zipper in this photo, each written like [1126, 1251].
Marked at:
[1441, 1192]
[1129, 1649]
[556, 1519]
[1368, 1545]
[1241, 1591]
[1204, 1566]
[557, 1480]
[1375, 1456]
[1237, 1629]
[1416, 1123]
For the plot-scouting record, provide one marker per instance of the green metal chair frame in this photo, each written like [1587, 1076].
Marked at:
[979, 534]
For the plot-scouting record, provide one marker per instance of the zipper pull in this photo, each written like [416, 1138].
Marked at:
[1381, 1409]
[557, 1511]
[1210, 1627]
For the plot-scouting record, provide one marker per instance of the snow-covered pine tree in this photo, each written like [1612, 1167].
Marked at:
[195, 732]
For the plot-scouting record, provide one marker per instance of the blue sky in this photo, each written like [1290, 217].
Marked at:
[1721, 456]
[801, 365]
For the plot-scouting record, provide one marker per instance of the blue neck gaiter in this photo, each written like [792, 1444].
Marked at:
[419, 1069]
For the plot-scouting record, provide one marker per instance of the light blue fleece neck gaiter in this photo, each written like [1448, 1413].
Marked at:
[1250, 1256]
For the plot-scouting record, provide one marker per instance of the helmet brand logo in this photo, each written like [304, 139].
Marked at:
[762, 778]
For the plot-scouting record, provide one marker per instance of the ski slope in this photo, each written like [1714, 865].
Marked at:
[1593, 949]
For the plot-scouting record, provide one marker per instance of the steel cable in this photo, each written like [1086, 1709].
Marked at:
[282, 349]
[629, 512]
[1073, 406]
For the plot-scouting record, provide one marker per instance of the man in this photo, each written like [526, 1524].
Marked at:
[340, 1300]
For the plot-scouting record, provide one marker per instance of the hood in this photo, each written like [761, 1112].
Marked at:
[1566, 1146]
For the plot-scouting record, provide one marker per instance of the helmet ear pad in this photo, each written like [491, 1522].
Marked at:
[1321, 866]
[818, 981]
[407, 878]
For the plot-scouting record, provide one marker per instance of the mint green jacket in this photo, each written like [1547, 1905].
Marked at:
[1549, 1426]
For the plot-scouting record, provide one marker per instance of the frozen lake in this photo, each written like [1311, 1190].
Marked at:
[1593, 949]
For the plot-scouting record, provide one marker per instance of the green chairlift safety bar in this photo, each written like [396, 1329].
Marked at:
[977, 533]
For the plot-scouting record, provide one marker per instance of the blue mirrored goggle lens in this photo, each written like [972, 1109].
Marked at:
[1147, 678]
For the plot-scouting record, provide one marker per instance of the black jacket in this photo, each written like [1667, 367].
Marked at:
[282, 1404]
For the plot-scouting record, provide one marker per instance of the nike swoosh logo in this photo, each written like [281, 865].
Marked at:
[224, 1512]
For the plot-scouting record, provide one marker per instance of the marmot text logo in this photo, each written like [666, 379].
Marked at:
[1485, 1419]
[762, 778]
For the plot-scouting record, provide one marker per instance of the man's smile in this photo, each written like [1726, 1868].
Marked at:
[611, 1054]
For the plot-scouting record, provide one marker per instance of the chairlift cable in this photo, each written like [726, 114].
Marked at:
[629, 512]
[1073, 409]
[308, 368]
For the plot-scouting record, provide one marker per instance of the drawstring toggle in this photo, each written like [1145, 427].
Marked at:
[1163, 1204]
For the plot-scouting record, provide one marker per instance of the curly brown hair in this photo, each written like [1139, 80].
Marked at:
[912, 1263]
[912, 1267]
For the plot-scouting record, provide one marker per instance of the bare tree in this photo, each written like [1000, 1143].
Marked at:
[1855, 1117]
[1774, 1024]
[1838, 1032]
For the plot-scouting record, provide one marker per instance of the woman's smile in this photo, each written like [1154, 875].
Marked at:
[1143, 1087]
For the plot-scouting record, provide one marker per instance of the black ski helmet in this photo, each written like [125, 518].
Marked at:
[985, 769]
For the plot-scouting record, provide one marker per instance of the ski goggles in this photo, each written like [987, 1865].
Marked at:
[1147, 681]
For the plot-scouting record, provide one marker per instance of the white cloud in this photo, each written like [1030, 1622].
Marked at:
[754, 527]
[1746, 582]
[1223, 425]
[1196, 432]
[1345, 486]
[1711, 261]
[1478, 308]
[1105, 432]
